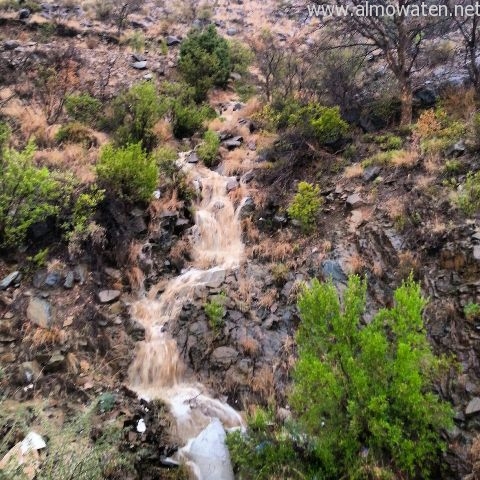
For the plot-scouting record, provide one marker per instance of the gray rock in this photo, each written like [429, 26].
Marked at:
[138, 57]
[235, 76]
[39, 312]
[224, 356]
[215, 278]
[476, 252]
[139, 65]
[371, 173]
[136, 330]
[55, 362]
[10, 44]
[69, 280]
[113, 273]
[52, 279]
[193, 158]
[233, 143]
[9, 280]
[456, 150]
[231, 31]
[247, 177]
[29, 372]
[238, 106]
[332, 269]
[473, 406]
[172, 40]
[355, 200]
[108, 296]
[232, 184]
[246, 208]
[23, 13]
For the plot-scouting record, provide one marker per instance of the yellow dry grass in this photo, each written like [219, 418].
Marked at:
[353, 171]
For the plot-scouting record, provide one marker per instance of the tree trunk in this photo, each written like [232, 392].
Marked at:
[406, 97]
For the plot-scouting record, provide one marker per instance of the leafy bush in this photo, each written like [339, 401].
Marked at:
[389, 142]
[166, 158]
[129, 172]
[134, 114]
[27, 194]
[468, 199]
[215, 311]
[83, 108]
[328, 126]
[208, 150]
[75, 133]
[471, 311]
[188, 118]
[377, 397]
[306, 205]
[205, 61]
[241, 57]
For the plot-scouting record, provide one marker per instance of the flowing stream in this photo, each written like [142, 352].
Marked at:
[157, 371]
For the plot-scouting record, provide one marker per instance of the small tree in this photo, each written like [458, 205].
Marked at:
[365, 395]
[306, 205]
[208, 150]
[205, 61]
[27, 194]
[83, 108]
[129, 172]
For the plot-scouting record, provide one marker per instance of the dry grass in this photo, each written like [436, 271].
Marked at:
[44, 337]
[268, 298]
[237, 195]
[250, 229]
[394, 208]
[260, 196]
[377, 269]
[405, 158]
[235, 162]
[263, 382]
[180, 251]
[437, 225]
[354, 263]
[249, 346]
[353, 171]
[136, 278]
[408, 262]
[163, 131]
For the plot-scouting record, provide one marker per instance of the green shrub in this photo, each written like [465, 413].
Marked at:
[129, 172]
[83, 108]
[471, 311]
[137, 41]
[106, 402]
[188, 118]
[166, 158]
[306, 205]
[134, 114]
[215, 311]
[328, 125]
[468, 199]
[280, 273]
[388, 141]
[208, 150]
[205, 61]
[75, 132]
[27, 194]
[241, 57]
[377, 398]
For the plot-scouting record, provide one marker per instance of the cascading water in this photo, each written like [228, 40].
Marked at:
[157, 371]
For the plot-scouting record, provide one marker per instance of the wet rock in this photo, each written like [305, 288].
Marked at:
[81, 273]
[473, 406]
[69, 280]
[224, 356]
[139, 65]
[354, 200]
[476, 252]
[9, 280]
[456, 150]
[108, 296]
[39, 312]
[371, 173]
[247, 207]
[216, 278]
[172, 40]
[136, 330]
[232, 184]
[52, 279]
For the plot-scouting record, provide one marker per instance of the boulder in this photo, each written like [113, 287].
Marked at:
[247, 177]
[139, 65]
[23, 13]
[224, 356]
[473, 406]
[233, 143]
[355, 200]
[246, 208]
[456, 150]
[69, 280]
[9, 280]
[109, 296]
[232, 184]
[332, 269]
[172, 40]
[39, 312]
[193, 158]
[371, 173]
[231, 31]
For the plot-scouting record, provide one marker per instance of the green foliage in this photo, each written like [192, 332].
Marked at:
[328, 126]
[106, 402]
[4, 136]
[306, 205]
[205, 61]
[468, 199]
[208, 150]
[215, 311]
[27, 194]
[381, 158]
[166, 157]
[129, 172]
[188, 118]
[134, 114]
[83, 108]
[241, 57]
[388, 141]
[471, 311]
[74, 132]
[280, 273]
[376, 382]
[137, 41]
[40, 258]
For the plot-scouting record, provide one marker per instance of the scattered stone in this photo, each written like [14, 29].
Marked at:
[246, 208]
[332, 269]
[9, 280]
[55, 362]
[231, 31]
[52, 279]
[232, 184]
[29, 372]
[39, 312]
[456, 150]
[140, 65]
[476, 252]
[108, 296]
[224, 356]
[473, 406]
[247, 177]
[216, 278]
[23, 13]
[10, 44]
[113, 273]
[355, 200]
